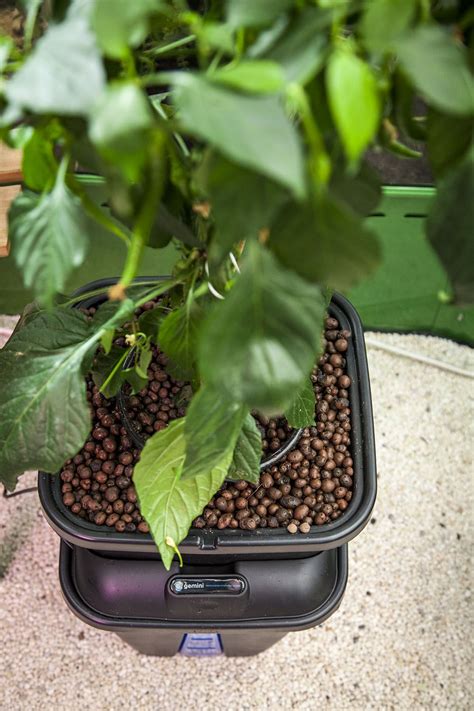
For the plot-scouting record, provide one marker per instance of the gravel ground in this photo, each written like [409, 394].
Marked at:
[400, 640]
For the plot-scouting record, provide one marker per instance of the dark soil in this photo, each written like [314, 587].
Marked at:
[311, 485]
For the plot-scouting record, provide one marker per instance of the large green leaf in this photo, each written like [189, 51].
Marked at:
[449, 139]
[213, 423]
[252, 131]
[252, 13]
[438, 67]
[259, 76]
[450, 228]
[115, 313]
[301, 411]
[335, 248]
[302, 49]
[49, 235]
[247, 453]
[122, 24]
[39, 166]
[166, 226]
[108, 370]
[44, 414]
[150, 321]
[353, 100]
[64, 73]
[242, 201]
[384, 21]
[81, 8]
[262, 341]
[178, 338]
[266, 39]
[168, 502]
[361, 192]
[120, 128]
[216, 35]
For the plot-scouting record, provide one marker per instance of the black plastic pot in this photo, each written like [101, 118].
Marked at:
[209, 547]
[202, 610]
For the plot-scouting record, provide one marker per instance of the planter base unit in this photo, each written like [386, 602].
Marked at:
[237, 609]
[239, 591]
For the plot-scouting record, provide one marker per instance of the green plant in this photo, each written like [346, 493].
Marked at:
[250, 142]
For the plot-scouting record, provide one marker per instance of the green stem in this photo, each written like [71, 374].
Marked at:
[214, 62]
[320, 159]
[82, 297]
[177, 137]
[134, 255]
[129, 65]
[97, 214]
[425, 10]
[12, 67]
[62, 170]
[240, 42]
[30, 22]
[156, 51]
[146, 216]
[116, 367]
[160, 78]
[172, 544]
[97, 292]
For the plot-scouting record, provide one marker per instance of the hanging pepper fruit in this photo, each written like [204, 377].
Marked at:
[388, 137]
[404, 95]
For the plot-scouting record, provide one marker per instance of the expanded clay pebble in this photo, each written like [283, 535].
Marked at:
[165, 399]
[311, 485]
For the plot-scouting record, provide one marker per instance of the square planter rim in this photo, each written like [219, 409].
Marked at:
[261, 541]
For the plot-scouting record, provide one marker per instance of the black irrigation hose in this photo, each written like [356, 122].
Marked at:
[139, 441]
[9, 495]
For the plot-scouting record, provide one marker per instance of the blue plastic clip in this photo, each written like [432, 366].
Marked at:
[201, 645]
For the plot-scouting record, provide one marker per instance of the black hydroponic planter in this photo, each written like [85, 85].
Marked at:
[232, 580]
[203, 545]
[238, 609]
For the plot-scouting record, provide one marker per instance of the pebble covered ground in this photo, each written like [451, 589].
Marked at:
[402, 638]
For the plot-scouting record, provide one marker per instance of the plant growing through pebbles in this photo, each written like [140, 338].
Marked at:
[238, 131]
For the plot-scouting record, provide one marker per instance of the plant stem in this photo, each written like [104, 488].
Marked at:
[129, 65]
[97, 292]
[157, 78]
[134, 255]
[215, 62]
[177, 137]
[319, 157]
[116, 367]
[82, 297]
[145, 217]
[30, 22]
[156, 51]
[62, 170]
[97, 214]
[425, 10]
[240, 42]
